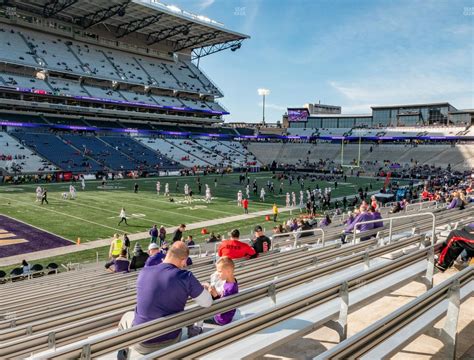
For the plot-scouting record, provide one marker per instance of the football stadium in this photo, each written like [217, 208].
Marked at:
[137, 222]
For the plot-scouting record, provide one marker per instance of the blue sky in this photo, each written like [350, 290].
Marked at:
[354, 53]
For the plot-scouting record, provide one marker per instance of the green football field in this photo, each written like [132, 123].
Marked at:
[95, 212]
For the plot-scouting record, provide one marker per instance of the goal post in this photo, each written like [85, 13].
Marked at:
[351, 166]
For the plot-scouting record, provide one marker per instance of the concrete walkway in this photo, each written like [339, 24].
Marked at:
[16, 259]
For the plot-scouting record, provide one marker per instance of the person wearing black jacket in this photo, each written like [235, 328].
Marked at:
[139, 258]
[261, 243]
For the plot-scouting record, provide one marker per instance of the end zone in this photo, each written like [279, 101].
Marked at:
[17, 238]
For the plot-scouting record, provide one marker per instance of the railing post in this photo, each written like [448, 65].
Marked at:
[449, 331]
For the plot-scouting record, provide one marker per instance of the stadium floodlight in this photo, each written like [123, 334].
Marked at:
[263, 92]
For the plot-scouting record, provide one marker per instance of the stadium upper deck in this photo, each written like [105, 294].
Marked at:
[131, 56]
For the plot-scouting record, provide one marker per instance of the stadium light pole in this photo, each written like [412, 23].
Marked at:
[263, 92]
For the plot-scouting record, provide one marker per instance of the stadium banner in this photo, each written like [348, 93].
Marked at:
[298, 114]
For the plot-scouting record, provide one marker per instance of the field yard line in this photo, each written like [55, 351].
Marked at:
[61, 213]
[162, 210]
[114, 212]
[206, 209]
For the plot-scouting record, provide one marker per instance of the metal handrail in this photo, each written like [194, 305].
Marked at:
[422, 205]
[297, 235]
[107, 343]
[391, 219]
[356, 345]
[280, 312]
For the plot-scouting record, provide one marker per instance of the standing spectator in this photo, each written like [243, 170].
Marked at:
[153, 234]
[156, 256]
[245, 205]
[135, 188]
[234, 248]
[275, 212]
[163, 290]
[178, 233]
[139, 258]
[126, 244]
[162, 234]
[261, 243]
[115, 247]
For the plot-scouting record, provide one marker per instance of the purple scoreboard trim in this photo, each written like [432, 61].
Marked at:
[37, 239]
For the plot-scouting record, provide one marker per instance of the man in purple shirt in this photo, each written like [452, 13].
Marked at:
[120, 264]
[376, 216]
[156, 256]
[362, 217]
[163, 290]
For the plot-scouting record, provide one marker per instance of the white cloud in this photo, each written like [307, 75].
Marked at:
[272, 106]
[204, 4]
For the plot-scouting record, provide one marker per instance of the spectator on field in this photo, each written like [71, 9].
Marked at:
[25, 267]
[261, 243]
[458, 241]
[223, 284]
[178, 233]
[234, 248]
[153, 234]
[164, 290]
[119, 264]
[156, 256]
[162, 234]
[139, 258]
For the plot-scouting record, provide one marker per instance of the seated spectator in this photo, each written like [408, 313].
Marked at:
[396, 208]
[362, 217]
[456, 202]
[212, 238]
[25, 267]
[261, 243]
[326, 221]
[119, 264]
[139, 258]
[376, 216]
[156, 256]
[226, 285]
[458, 241]
[234, 248]
[190, 241]
[163, 290]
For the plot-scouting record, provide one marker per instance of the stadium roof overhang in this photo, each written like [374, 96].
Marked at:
[156, 21]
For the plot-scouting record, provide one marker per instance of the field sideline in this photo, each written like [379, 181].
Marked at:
[94, 214]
